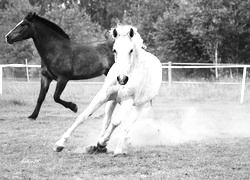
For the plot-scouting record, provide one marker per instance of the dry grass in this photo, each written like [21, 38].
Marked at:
[191, 92]
[197, 132]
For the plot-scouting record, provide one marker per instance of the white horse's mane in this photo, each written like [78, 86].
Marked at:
[123, 30]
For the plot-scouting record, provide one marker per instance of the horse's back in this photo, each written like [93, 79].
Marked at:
[90, 61]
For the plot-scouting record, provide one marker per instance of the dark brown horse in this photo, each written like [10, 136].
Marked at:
[62, 59]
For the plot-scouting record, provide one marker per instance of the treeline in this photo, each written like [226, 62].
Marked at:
[174, 30]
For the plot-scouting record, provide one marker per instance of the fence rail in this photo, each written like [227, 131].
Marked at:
[169, 66]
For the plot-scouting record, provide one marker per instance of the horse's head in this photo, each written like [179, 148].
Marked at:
[23, 30]
[126, 41]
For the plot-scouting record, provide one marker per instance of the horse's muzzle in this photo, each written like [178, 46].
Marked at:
[122, 79]
[8, 39]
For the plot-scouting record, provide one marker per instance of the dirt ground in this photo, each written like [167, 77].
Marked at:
[181, 139]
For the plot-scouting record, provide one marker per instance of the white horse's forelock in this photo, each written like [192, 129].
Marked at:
[123, 30]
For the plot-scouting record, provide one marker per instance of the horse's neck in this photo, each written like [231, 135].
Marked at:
[138, 60]
[45, 40]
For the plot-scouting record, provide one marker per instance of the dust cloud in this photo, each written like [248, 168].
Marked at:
[191, 125]
[164, 126]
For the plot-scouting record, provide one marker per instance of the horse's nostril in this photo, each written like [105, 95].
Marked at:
[122, 79]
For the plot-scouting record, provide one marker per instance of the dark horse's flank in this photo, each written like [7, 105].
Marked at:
[62, 59]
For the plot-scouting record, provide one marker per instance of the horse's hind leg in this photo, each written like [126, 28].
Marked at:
[60, 86]
[45, 82]
[133, 116]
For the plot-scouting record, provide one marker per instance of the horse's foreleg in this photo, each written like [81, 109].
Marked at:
[100, 98]
[122, 114]
[60, 86]
[109, 109]
[45, 82]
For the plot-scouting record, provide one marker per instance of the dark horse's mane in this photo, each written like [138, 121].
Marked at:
[48, 23]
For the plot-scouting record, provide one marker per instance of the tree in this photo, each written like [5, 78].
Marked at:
[105, 12]
[176, 43]
[143, 14]
[76, 23]
[10, 16]
[223, 27]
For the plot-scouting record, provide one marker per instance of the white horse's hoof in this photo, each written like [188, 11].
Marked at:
[58, 148]
[96, 150]
[119, 153]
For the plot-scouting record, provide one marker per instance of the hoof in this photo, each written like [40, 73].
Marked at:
[74, 108]
[120, 155]
[96, 150]
[32, 117]
[58, 148]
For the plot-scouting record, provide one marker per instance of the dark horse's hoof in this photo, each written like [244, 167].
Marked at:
[73, 107]
[96, 150]
[32, 117]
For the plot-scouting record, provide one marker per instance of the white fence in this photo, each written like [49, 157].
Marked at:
[169, 66]
[26, 66]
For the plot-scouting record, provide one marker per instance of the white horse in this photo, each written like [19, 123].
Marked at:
[133, 81]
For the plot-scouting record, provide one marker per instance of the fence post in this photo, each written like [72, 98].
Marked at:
[27, 70]
[169, 72]
[1, 80]
[243, 84]
[216, 61]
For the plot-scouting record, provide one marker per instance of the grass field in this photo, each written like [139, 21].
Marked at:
[198, 131]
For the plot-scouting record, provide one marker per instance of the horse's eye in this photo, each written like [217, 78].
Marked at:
[131, 51]
[114, 51]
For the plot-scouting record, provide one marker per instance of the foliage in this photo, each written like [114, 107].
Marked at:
[142, 14]
[174, 39]
[9, 17]
[76, 23]
[198, 31]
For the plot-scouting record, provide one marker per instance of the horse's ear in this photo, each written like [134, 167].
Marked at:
[30, 16]
[131, 32]
[115, 33]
